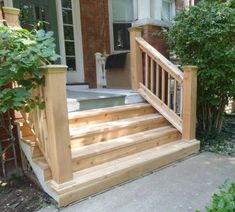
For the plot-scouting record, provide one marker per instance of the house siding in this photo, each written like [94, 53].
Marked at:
[95, 34]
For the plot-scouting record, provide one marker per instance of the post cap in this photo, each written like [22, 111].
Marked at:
[131, 29]
[190, 68]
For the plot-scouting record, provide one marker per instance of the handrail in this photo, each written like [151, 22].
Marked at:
[168, 89]
[160, 59]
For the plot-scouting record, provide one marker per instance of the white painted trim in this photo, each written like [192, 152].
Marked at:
[78, 39]
[150, 21]
[37, 170]
[60, 31]
[78, 75]
[111, 26]
[8, 3]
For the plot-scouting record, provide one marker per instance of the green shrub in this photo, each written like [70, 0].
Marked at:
[204, 35]
[21, 54]
[224, 201]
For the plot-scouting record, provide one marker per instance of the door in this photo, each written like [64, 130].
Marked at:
[69, 25]
[60, 17]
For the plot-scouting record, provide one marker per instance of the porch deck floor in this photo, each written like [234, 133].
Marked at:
[85, 99]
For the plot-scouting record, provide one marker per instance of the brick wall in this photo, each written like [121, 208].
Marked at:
[95, 34]
[152, 34]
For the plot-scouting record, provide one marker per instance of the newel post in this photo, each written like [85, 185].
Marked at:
[136, 58]
[189, 102]
[58, 124]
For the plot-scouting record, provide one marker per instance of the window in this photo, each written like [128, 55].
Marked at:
[167, 10]
[122, 17]
[68, 27]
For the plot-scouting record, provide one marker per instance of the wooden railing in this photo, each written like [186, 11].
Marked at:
[50, 127]
[171, 91]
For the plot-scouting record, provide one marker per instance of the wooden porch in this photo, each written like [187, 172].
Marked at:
[79, 154]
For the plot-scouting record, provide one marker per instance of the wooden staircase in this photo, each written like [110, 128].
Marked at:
[77, 156]
[113, 145]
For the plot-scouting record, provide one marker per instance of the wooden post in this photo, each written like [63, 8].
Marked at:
[12, 17]
[189, 102]
[59, 150]
[136, 58]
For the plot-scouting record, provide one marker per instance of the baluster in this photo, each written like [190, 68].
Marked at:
[152, 76]
[181, 102]
[146, 70]
[157, 80]
[169, 91]
[175, 96]
[163, 85]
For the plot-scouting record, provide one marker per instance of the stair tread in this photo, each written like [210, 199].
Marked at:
[121, 142]
[103, 171]
[101, 127]
[94, 112]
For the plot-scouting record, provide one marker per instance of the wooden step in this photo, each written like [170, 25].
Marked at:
[106, 131]
[42, 163]
[91, 155]
[98, 178]
[85, 118]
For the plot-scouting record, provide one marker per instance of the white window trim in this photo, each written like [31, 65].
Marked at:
[172, 9]
[135, 11]
[78, 75]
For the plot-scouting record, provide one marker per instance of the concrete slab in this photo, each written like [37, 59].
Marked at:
[181, 187]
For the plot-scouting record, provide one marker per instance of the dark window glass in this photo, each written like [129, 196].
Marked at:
[69, 47]
[67, 17]
[121, 36]
[68, 32]
[66, 3]
[71, 63]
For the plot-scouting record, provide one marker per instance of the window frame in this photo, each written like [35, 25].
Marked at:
[135, 13]
[172, 10]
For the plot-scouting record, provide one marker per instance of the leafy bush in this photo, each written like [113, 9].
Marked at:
[204, 35]
[21, 54]
[224, 201]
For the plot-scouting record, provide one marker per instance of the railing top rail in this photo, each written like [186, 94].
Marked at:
[161, 60]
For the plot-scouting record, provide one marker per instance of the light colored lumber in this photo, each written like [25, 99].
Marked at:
[160, 59]
[162, 108]
[175, 96]
[146, 71]
[163, 86]
[101, 177]
[152, 76]
[189, 102]
[110, 150]
[169, 91]
[136, 58]
[58, 147]
[95, 116]
[157, 81]
[110, 130]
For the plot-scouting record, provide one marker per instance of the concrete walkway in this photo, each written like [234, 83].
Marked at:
[182, 187]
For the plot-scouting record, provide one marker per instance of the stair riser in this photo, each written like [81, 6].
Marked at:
[118, 132]
[36, 152]
[95, 159]
[112, 116]
[110, 180]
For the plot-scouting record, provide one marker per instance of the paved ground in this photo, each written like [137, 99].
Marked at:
[182, 187]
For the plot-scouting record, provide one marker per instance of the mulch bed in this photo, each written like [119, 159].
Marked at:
[22, 195]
